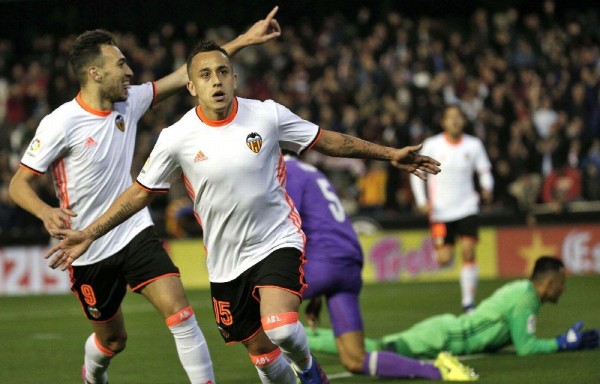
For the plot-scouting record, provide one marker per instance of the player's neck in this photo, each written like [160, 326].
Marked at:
[93, 99]
[216, 115]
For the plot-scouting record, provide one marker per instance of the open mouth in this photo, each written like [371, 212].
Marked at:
[219, 96]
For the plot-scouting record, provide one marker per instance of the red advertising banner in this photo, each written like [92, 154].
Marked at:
[577, 245]
[23, 270]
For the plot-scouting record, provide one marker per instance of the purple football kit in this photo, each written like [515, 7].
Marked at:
[333, 252]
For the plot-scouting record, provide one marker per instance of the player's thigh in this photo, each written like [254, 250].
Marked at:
[444, 236]
[328, 278]
[468, 232]
[279, 282]
[149, 270]
[343, 301]
[166, 295]
[100, 288]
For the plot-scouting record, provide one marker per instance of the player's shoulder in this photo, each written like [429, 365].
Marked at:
[257, 106]
[65, 116]
[188, 121]
[471, 140]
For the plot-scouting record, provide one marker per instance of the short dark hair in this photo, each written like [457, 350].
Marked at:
[87, 49]
[204, 46]
[546, 264]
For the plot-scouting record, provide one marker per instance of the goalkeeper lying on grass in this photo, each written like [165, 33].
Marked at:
[507, 317]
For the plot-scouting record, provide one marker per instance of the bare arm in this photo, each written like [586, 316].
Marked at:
[75, 243]
[340, 145]
[22, 193]
[261, 32]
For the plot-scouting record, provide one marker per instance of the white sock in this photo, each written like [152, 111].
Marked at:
[191, 346]
[285, 331]
[468, 283]
[96, 360]
[273, 368]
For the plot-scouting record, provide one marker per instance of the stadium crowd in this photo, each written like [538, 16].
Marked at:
[528, 83]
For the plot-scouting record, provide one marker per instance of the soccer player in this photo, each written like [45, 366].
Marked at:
[88, 145]
[507, 317]
[333, 269]
[451, 200]
[228, 150]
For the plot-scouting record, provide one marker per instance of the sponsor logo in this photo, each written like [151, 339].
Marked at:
[89, 142]
[120, 123]
[146, 165]
[35, 145]
[200, 157]
[273, 319]
[254, 142]
[94, 312]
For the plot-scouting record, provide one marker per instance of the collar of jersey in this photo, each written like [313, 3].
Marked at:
[218, 123]
[452, 141]
[90, 109]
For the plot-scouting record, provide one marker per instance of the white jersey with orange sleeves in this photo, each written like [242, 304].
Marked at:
[89, 153]
[234, 172]
[451, 193]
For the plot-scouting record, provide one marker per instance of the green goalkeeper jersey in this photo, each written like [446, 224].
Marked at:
[507, 317]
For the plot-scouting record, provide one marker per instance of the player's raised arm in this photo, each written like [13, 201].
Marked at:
[75, 243]
[340, 145]
[261, 32]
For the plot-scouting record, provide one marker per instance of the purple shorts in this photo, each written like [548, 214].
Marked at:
[341, 285]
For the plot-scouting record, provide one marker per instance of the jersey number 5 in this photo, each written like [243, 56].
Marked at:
[335, 205]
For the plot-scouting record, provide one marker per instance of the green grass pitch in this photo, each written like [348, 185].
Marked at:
[41, 337]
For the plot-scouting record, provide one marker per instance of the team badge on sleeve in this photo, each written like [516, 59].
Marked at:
[254, 142]
[33, 147]
[120, 122]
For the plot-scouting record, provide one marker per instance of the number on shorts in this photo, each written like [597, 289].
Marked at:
[88, 294]
[222, 312]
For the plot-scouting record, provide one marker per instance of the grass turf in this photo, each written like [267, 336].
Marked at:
[41, 337]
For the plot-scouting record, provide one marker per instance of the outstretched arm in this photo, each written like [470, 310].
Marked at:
[75, 243]
[261, 32]
[23, 194]
[340, 145]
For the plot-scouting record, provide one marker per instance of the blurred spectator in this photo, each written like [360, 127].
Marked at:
[528, 82]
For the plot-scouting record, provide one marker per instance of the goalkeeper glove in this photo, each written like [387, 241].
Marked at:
[571, 339]
[590, 339]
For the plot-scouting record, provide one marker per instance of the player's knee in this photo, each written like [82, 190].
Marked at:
[116, 343]
[283, 336]
[444, 259]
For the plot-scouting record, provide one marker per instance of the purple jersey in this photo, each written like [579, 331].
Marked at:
[329, 233]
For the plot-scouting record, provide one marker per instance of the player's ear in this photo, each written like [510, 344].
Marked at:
[234, 80]
[94, 74]
[191, 88]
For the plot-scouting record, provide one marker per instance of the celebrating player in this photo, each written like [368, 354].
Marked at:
[334, 263]
[229, 151]
[451, 199]
[88, 144]
[507, 317]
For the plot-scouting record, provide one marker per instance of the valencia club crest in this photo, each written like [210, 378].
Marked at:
[120, 123]
[254, 142]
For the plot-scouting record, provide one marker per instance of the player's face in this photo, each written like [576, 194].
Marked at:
[115, 74]
[453, 122]
[213, 83]
[556, 286]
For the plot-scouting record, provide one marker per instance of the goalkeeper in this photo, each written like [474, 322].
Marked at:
[507, 317]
